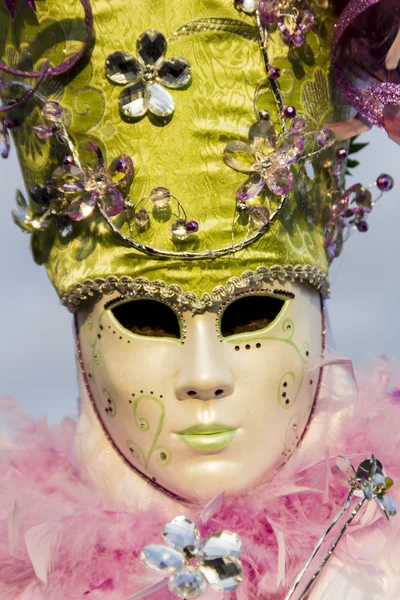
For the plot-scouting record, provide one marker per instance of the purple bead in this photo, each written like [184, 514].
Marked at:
[239, 2]
[337, 168]
[385, 182]
[121, 166]
[362, 226]
[274, 73]
[192, 226]
[289, 112]
[68, 160]
[10, 123]
[342, 153]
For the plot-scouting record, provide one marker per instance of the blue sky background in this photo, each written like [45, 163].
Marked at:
[37, 364]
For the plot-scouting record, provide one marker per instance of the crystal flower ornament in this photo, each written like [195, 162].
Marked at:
[146, 77]
[268, 157]
[193, 565]
[350, 210]
[86, 188]
[368, 481]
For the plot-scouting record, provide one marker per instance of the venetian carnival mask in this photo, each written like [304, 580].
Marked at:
[201, 403]
[191, 229]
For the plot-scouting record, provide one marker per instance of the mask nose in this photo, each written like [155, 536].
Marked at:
[203, 372]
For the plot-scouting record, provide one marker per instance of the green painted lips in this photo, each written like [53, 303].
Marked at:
[207, 438]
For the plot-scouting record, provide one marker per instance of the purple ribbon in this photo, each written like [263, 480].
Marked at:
[369, 102]
[54, 71]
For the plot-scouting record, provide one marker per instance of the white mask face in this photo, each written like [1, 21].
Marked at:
[206, 402]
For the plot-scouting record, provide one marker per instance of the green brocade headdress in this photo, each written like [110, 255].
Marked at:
[185, 154]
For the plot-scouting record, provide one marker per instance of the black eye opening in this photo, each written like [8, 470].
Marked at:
[250, 313]
[145, 317]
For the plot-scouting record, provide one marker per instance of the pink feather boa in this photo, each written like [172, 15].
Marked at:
[60, 541]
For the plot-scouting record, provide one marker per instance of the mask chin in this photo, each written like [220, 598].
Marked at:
[197, 403]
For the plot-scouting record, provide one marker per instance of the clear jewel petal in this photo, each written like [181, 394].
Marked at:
[52, 111]
[121, 169]
[189, 582]
[122, 68]
[387, 505]
[280, 181]
[83, 207]
[223, 543]
[151, 47]
[239, 156]
[290, 150]
[223, 574]
[161, 558]
[112, 202]
[181, 533]
[175, 72]
[250, 188]
[68, 179]
[262, 137]
[132, 101]
[159, 100]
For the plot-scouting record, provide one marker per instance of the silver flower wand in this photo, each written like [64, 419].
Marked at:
[368, 482]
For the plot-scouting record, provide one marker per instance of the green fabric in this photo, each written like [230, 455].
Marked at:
[186, 154]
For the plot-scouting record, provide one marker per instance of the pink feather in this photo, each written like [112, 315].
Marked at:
[67, 543]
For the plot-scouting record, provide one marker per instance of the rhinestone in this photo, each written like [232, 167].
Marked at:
[280, 181]
[259, 216]
[262, 137]
[364, 199]
[151, 46]
[159, 100]
[223, 573]
[250, 188]
[112, 202]
[298, 124]
[122, 68]
[306, 21]
[223, 543]
[325, 138]
[64, 227]
[52, 111]
[161, 558]
[68, 179]
[40, 195]
[132, 101]
[175, 72]
[337, 167]
[178, 229]
[180, 532]
[187, 583]
[239, 156]
[142, 219]
[385, 182]
[82, 208]
[43, 132]
[160, 196]
[290, 150]
[269, 11]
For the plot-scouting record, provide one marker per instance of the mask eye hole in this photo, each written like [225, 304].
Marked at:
[148, 318]
[250, 313]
